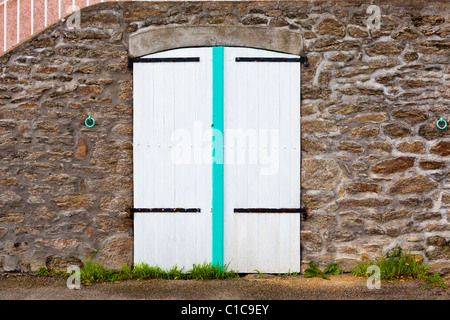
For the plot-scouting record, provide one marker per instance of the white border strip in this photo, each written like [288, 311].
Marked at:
[4, 25]
[18, 21]
[32, 16]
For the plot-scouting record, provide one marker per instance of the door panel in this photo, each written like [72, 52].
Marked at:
[262, 162]
[172, 108]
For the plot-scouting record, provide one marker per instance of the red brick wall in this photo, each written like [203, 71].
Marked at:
[27, 17]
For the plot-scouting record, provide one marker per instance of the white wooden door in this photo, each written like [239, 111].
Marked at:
[172, 110]
[262, 161]
[261, 170]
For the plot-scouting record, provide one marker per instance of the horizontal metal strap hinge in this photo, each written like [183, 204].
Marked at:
[269, 210]
[132, 210]
[154, 60]
[302, 59]
[170, 59]
[302, 211]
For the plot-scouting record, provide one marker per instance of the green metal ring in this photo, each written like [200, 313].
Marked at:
[439, 121]
[86, 122]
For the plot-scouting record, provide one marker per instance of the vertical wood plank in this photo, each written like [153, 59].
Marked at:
[252, 99]
[168, 119]
[272, 167]
[284, 253]
[285, 133]
[295, 132]
[230, 121]
[264, 184]
[204, 117]
[158, 131]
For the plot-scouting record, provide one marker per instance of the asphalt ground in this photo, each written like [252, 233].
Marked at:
[250, 296]
[19, 286]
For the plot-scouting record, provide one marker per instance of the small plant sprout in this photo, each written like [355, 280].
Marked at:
[314, 271]
[260, 274]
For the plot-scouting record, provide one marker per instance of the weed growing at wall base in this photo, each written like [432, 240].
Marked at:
[96, 272]
[42, 270]
[400, 266]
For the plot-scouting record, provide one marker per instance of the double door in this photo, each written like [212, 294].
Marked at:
[216, 147]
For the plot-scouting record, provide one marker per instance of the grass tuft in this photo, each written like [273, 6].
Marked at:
[400, 266]
[42, 270]
[96, 272]
[210, 271]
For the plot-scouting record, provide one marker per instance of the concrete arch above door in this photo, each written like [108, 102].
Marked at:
[154, 40]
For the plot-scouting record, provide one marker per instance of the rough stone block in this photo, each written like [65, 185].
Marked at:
[418, 184]
[394, 165]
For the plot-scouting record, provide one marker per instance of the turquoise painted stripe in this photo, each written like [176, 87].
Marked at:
[217, 165]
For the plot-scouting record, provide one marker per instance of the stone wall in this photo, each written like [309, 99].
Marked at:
[374, 165]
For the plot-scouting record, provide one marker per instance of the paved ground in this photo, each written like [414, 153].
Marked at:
[343, 287]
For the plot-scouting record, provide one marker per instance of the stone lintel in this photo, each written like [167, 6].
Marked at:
[154, 40]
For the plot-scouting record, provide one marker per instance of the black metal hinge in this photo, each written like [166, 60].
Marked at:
[132, 210]
[302, 59]
[267, 210]
[165, 210]
[302, 211]
[303, 214]
[155, 60]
